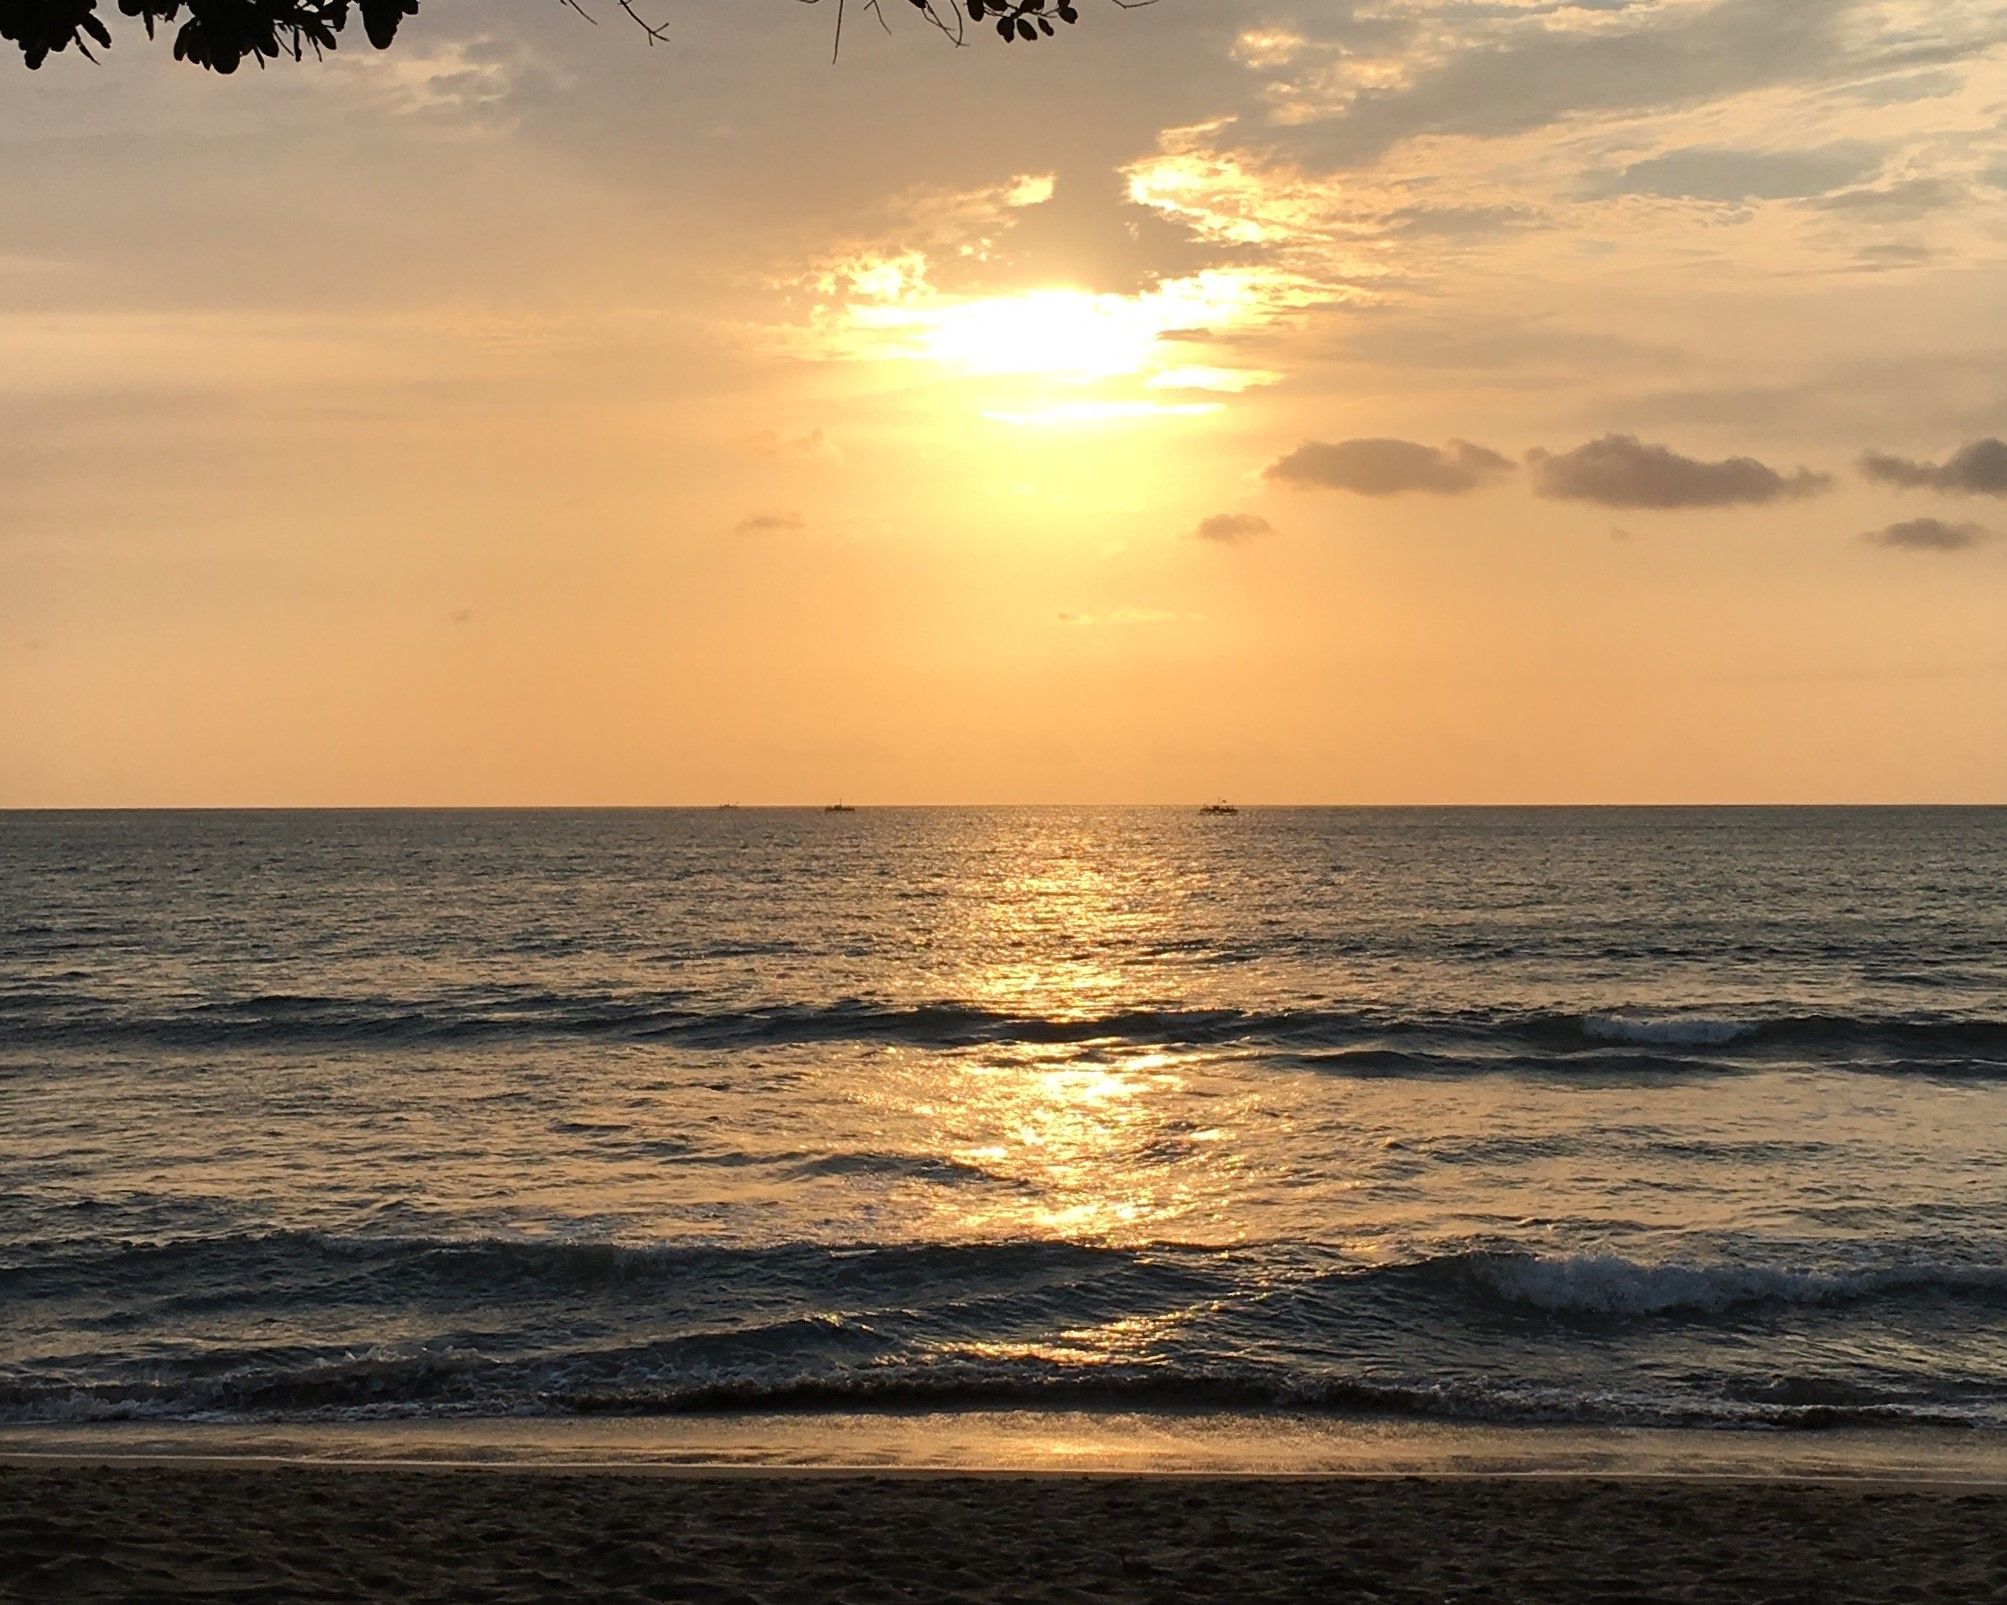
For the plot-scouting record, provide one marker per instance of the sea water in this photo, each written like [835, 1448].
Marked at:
[1640, 1117]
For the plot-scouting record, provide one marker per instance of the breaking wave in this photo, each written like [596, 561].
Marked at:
[554, 1327]
[1371, 1041]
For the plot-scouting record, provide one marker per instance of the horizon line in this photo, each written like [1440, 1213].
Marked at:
[913, 807]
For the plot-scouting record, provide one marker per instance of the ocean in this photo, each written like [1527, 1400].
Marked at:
[1649, 1118]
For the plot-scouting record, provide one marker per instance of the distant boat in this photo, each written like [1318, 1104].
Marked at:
[1222, 806]
[839, 808]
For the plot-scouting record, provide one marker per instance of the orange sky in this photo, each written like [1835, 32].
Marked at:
[1304, 401]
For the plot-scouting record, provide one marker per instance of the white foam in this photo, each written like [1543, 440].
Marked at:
[1593, 1284]
[1675, 1030]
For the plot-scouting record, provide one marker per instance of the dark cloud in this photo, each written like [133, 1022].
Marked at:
[1901, 202]
[1978, 468]
[1894, 256]
[1624, 471]
[1388, 467]
[1933, 83]
[1929, 535]
[767, 523]
[1230, 529]
[1538, 75]
[1457, 222]
[1730, 176]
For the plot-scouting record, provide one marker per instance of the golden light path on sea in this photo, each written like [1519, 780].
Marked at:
[1091, 1141]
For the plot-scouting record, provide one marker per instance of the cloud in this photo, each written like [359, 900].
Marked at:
[1731, 176]
[1900, 202]
[814, 446]
[1623, 471]
[1230, 529]
[767, 523]
[1508, 72]
[1029, 189]
[1893, 256]
[1388, 467]
[1978, 468]
[1449, 222]
[1929, 535]
[1122, 616]
[1226, 381]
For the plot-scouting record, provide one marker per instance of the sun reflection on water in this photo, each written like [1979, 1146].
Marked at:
[1072, 1140]
[1126, 1339]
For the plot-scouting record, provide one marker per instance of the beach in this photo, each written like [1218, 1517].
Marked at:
[76, 1530]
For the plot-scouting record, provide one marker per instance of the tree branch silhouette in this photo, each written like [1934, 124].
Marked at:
[221, 35]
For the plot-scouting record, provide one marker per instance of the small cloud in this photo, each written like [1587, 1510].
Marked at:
[1199, 377]
[815, 446]
[1623, 471]
[1122, 615]
[1029, 189]
[1457, 222]
[767, 523]
[1893, 256]
[1929, 535]
[1976, 469]
[1388, 467]
[462, 615]
[1904, 201]
[1264, 48]
[1735, 176]
[1230, 529]
[1058, 414]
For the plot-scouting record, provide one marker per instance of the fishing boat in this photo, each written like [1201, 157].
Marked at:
[839, 808]
[1219, 806]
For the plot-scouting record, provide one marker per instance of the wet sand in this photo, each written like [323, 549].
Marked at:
[91, 1531]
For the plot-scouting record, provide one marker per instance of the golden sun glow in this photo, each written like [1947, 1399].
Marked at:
[1164, 338]
[1050, 355]
[1062, 333]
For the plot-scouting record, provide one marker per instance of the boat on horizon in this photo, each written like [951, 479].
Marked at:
[1219, 805]
[839, 808]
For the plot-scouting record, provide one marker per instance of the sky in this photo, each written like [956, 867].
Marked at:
[1305, 401]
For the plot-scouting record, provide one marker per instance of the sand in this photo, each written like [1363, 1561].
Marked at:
[77, 1531]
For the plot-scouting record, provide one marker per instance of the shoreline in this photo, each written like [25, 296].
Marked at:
[1811, 1482]
[1021, 1443]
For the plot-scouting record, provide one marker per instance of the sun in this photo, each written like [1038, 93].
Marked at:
[1058, 355]
[1057, 333]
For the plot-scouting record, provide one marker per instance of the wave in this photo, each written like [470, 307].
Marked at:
[500, 1325]
[1612, 1287]
[286, 1266]
[452, 1384]
[293, 1269]
[1690, 1030]
[1378, 1041]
